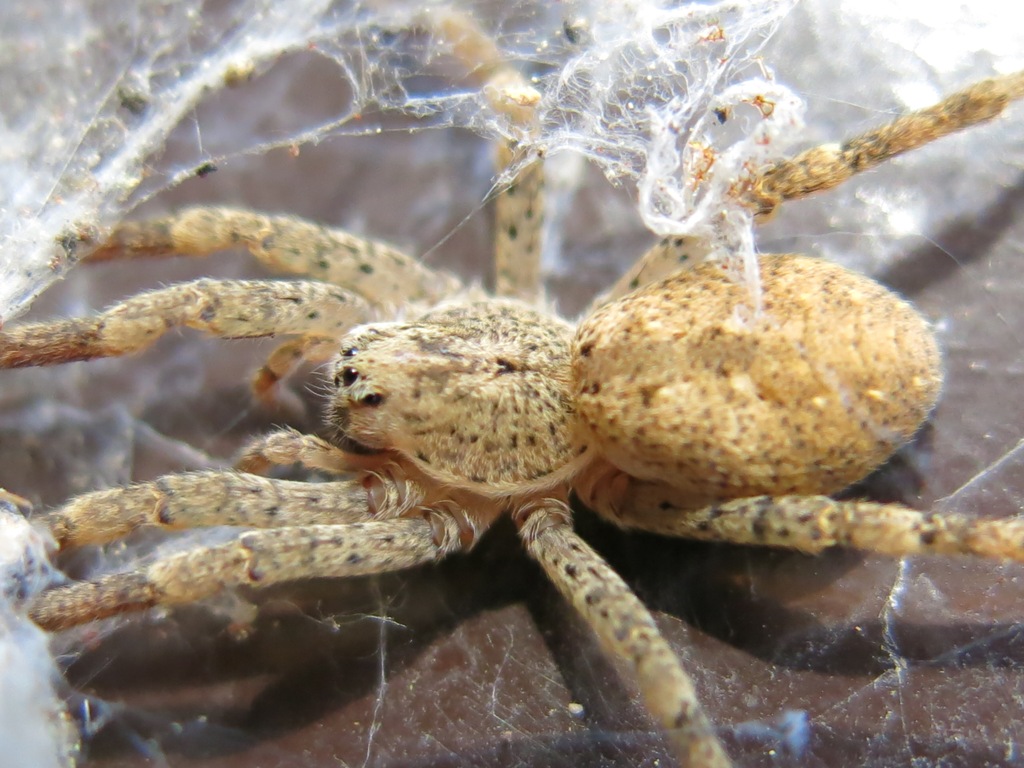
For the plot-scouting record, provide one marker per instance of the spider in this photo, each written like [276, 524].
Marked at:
[662, 411]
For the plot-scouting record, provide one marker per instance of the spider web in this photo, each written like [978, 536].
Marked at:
[114, 106]
[81, 154]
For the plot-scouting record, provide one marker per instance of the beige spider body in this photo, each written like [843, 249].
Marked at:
[689, 407]
[674, 384]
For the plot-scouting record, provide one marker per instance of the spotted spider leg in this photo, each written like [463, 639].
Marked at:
[388, 491]
[519, 207]
[385, 277]
[518, 224]
[626, 629]
[318, 530]
[256, 558]
[809, 524]
[201, 499]
[829, 165]
[316, 312]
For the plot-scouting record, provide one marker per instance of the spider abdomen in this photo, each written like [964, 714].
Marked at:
[806, 396]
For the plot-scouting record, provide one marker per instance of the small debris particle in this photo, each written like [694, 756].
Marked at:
[205, 169]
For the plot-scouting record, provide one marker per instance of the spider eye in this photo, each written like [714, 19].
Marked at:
[348, 376]
[373, 399]
[349, 352]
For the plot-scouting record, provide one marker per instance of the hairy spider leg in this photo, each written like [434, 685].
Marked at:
[384, 276]
[829, 165]
[809, 524]
[317, 312]
[519, 207]
[626, 630]
[255, 559]
[202, 499]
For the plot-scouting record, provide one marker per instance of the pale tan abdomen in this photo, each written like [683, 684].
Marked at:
[807, 398]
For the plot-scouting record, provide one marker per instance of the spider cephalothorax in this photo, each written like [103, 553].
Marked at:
[475, 395]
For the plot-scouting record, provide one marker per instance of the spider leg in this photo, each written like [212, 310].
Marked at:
[374, 270]
[226, 308]
[519, 207]
[626, 630]
[201, 499]
[829, 165]
[518, 221]
[252, 559]
[808, 523]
